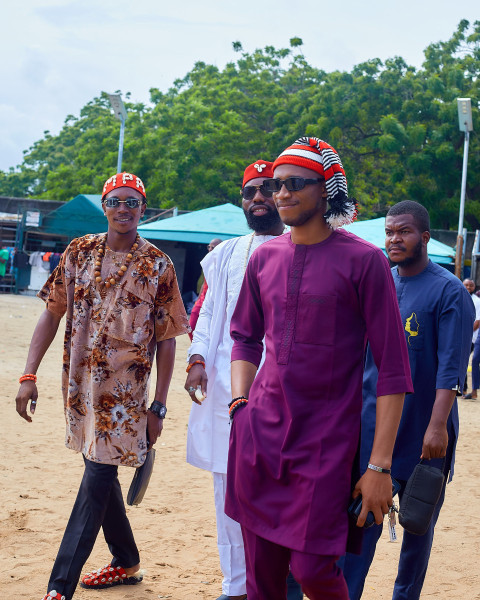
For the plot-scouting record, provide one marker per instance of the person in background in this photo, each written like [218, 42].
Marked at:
[437, 319]
[470, 287]
[209, 366]
[316, 295]
[4, 256]
[201, 296]
[122, 304]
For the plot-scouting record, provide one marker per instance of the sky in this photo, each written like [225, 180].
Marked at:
[57, 55]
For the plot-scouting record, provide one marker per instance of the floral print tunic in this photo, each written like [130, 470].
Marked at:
[110, 342]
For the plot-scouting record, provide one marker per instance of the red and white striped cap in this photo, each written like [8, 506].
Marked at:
[316, 155]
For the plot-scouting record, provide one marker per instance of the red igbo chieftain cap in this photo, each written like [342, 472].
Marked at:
[123, 180]
[316, 155]
[260, 168]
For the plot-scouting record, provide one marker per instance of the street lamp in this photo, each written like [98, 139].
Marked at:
[120, 113]
[465, 124]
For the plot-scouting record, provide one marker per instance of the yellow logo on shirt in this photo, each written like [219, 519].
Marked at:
[408, 326]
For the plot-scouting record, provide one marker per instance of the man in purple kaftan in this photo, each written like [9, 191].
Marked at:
[316, 295]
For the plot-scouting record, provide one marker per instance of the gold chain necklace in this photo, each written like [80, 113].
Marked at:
[248, 252]
[115, 277]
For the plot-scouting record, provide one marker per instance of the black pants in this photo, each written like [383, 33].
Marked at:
[99, 503]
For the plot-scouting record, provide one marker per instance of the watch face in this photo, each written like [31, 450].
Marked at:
[162, 412]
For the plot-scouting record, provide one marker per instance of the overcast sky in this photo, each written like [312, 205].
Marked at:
[59, 54]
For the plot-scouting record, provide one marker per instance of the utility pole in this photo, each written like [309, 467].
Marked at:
[120, 113]
[465, 124]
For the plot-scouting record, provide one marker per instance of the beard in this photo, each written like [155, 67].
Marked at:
[410, 260]
[264, 223]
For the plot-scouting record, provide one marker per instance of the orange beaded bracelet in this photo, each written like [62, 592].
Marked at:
[235, 404]
[28, 377]
[195, 362]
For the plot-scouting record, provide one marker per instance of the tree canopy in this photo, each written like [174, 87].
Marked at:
[395, 128]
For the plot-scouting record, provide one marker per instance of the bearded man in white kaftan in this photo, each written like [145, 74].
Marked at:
[209, 363]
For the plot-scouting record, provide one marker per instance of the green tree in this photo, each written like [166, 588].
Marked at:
[395, 128]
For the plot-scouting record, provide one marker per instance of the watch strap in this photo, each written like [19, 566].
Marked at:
[159, 409]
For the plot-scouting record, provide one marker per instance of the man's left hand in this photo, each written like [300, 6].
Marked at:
[376, 491]
[154, 428]
[435, 442]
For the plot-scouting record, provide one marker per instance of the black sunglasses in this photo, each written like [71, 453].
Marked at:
[113, 202]
[293, 184]
[249, 191]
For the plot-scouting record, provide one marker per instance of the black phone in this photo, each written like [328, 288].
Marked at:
[355, 507]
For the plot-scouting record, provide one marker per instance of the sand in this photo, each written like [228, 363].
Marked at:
[175, 524]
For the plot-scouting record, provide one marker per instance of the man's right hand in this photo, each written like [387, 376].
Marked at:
[28, 391]
[197, 377]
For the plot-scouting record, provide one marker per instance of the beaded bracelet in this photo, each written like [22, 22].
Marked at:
[235, 404]
[379, 469]
[237, 398]
[195, 362]
[28, 377]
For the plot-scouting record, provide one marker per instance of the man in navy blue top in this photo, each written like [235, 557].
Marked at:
[437, 315]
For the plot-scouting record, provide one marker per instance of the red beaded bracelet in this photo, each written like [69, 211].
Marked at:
[195, 362]
[28, 377]
[235, 405]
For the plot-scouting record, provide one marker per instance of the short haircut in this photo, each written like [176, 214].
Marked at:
[418, 212]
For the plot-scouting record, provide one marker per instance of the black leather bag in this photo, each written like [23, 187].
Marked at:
[140, 481]
[420, 497]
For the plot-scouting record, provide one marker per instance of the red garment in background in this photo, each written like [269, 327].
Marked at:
[196, 308]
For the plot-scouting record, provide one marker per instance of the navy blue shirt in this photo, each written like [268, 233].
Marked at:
[437, 315]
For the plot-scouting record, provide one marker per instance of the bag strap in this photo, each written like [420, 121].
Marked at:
[426, 460]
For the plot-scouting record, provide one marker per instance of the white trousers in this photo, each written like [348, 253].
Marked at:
[229, 542]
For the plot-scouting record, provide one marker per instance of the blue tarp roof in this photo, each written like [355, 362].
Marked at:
[225, 221]
[374, 231]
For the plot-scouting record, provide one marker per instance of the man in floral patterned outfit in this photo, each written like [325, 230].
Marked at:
[122, 305]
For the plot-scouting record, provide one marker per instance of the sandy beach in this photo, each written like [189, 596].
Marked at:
[175, 524]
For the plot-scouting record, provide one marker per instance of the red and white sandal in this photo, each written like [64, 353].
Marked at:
[53, 595]
[108, 577]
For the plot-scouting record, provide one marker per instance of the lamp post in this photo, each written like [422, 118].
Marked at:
[120, 113]
[465, 124]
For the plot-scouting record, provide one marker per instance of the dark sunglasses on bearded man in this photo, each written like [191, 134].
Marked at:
[113, 202]
[293, 184]
[248, 192]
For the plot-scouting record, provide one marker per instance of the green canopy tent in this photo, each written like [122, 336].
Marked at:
[81, 215]
[185, 237]
[227, 221]
[192, 231]
[201, 226]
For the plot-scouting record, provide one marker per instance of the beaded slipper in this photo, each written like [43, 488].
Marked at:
[108, 577]
[53, 595]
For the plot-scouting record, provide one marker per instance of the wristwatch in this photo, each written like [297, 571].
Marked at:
[158, 409]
